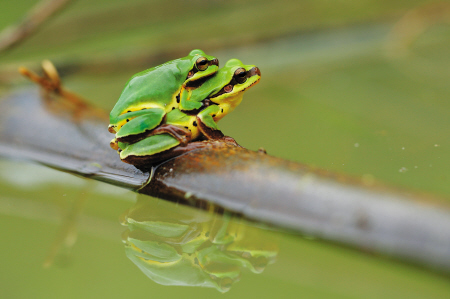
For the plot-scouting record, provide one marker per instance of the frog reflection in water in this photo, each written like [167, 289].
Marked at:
[178, 245]
[149, 139]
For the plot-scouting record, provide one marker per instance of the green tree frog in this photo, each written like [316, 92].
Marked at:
[150, 94]
[217, 96]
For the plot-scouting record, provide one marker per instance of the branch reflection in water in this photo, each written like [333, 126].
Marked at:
[178, 245]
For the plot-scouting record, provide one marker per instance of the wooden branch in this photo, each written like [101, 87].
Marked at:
[75, 139]
[13, 35]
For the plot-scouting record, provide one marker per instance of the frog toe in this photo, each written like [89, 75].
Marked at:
[114, 144]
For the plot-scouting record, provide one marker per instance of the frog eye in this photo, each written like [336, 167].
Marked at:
[240, 75]
[228, 88]
[202, 63]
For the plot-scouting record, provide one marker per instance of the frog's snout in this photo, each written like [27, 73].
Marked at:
[255, 71]
[215, 61]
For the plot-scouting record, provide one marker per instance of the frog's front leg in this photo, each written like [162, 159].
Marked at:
[186, 102]
[207, 125]
[209, 128]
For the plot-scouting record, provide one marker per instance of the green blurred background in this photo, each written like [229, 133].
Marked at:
[358, 87]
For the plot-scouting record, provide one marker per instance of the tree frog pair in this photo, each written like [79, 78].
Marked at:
[158, 113]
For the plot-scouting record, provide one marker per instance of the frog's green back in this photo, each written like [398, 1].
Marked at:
[157, 85]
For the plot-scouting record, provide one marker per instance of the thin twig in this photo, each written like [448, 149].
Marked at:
[13, 35]
[51, 83]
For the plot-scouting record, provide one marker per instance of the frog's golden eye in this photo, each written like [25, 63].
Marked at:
[202, 64]
[240, 75]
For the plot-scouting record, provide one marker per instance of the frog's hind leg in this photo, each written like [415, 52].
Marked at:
[138, 127]
[149, 146]
[147, 152]
[156, 149]
[182, 134]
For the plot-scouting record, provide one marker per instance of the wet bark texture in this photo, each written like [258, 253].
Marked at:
[258, 186]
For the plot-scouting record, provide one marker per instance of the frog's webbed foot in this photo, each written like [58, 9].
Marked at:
[183, 135]
[230, 140]
[114, 144]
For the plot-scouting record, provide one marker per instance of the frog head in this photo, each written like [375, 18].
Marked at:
[234, 78]
[201, 66]
[227, 87]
